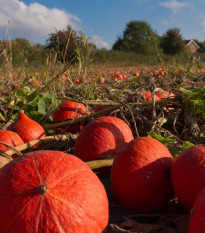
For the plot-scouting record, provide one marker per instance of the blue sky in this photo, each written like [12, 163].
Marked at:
[101, 20]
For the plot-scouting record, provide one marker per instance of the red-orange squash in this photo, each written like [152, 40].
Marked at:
[146, 94]
[27, 128]
[188, 174]
[70, 110]
[140, 175]
[101, 137]
[197, 223]
[161, 95]
[10, 138]
[51, 192]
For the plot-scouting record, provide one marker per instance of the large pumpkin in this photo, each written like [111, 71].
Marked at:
[51, 192]
[140, 175]
[188, 174]
[101, 137]
[197, 223]
[70, 110]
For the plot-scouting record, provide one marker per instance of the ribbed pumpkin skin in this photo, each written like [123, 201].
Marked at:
[69, 110]
[197, 221]
[75, 202]
[11, 138]
[140, 175]
[103, 136]
[188, 174]
[27, 128]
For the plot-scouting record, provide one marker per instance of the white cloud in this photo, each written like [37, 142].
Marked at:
[99, 42]
[174, 5]
[36, 21]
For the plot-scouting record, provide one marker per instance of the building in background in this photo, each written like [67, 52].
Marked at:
[191, 46]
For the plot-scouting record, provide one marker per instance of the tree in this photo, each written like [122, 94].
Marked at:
[172, 42]
[201, 45]
[63, 43]
[68, 44]
[22, 53]
[138, 37]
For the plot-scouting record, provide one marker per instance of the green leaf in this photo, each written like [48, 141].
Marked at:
[34, 115]
[26, 89]
[42, 105]
[32, 96]
[174, 151]
[31, 107]
[49, 95]
[162, 139]
[187, 144]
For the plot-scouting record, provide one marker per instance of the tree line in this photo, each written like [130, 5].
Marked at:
[65, 45]
[139, 37]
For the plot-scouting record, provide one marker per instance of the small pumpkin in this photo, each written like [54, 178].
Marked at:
[161, 95]
[53, 192]
[140, 175]
[147, 95]
[188, 174]
[10, 138]
[27, 128]
[70, 110]
[102, 137]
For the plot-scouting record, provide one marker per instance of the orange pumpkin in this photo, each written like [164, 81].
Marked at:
[27, 128]
[52, 192]
[188, 174]
[140, 175]
[101, 137]
[10, 138]
[70, 110]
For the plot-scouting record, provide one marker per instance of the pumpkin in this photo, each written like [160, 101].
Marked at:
[102, 137]
[27, 128]
[196, 223]
[146, 94]
[161, 95]
[140, 175]
[188, 174]
[70, 110]
[52, 192]
[10, 138]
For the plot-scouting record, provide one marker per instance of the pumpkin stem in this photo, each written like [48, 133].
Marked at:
[43, 189]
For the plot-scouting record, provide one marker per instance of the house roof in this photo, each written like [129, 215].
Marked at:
[188, 42]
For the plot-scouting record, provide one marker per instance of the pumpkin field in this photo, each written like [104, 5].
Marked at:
[103, 148]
